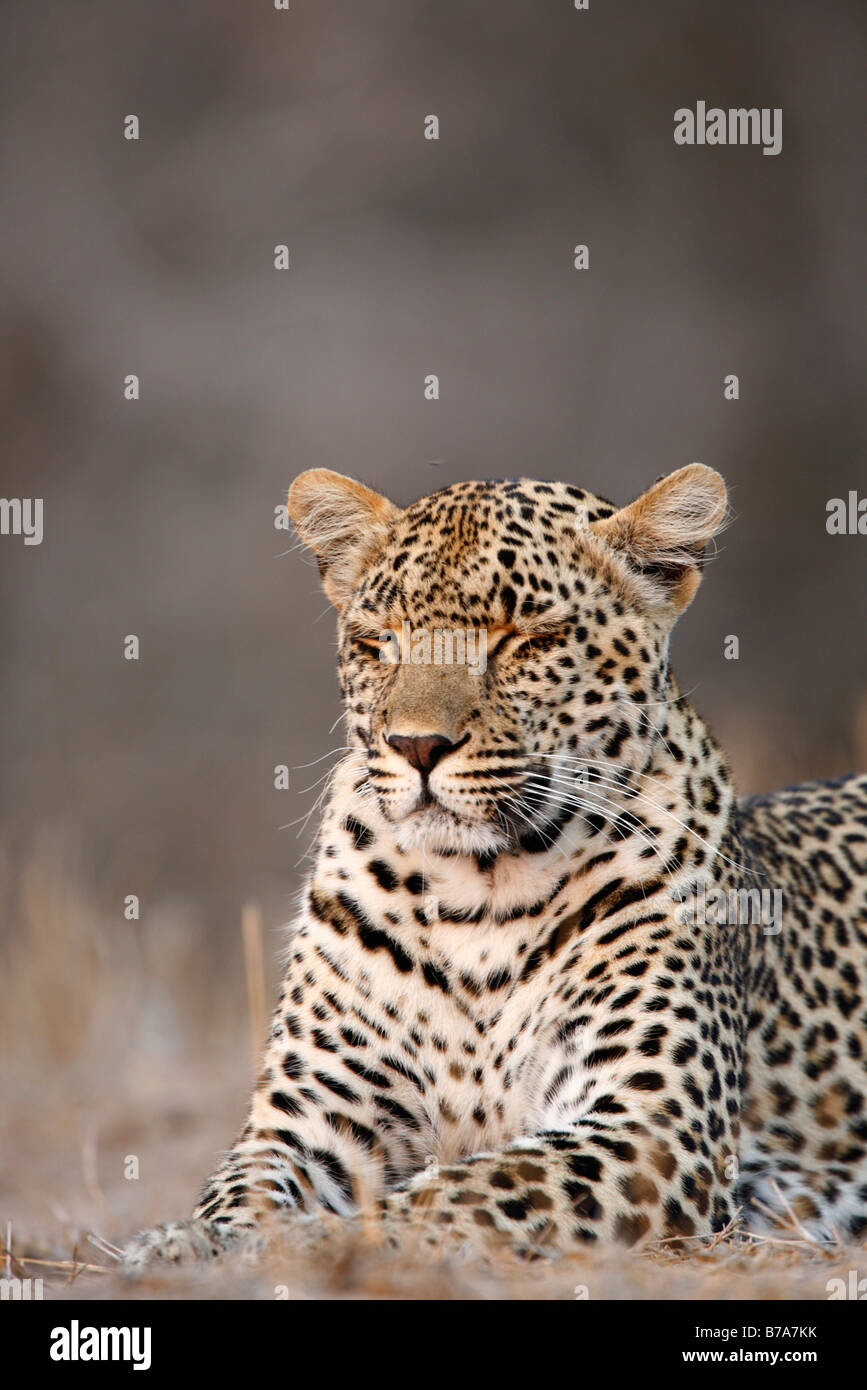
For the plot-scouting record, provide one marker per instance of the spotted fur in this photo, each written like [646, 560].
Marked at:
[500, 1017]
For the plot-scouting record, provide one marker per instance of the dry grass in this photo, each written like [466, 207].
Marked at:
[119, 1049]
[346, 1263]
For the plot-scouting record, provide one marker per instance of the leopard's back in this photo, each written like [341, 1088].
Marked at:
[805, 1102]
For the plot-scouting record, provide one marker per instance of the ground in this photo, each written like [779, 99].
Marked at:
[129, 1057]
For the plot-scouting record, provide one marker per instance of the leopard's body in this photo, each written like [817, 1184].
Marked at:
[508, 1010]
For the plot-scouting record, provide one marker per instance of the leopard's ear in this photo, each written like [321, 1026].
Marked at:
[343, 522]
[664, 533]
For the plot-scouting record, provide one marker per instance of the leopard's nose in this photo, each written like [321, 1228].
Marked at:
[424, 751]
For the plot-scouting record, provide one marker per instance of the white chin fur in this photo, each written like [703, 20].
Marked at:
[441, 833]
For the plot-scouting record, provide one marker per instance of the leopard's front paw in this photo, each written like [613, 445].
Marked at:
[175, 1242]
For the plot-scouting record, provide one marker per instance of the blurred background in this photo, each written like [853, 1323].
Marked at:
[408, 257]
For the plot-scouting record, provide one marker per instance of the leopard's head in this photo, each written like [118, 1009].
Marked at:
[501, 642]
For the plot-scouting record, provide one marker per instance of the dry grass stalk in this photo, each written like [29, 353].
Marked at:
[254, 965]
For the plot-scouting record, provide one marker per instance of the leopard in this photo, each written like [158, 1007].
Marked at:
[551, 981]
